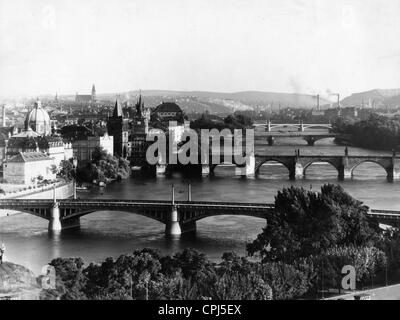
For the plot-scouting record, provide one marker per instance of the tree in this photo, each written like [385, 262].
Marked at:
[377, 132]
[306, 223]
[192, 263]
[367, 261]
[99, 154]
[70, 279]
[286, 281]
[67, 169]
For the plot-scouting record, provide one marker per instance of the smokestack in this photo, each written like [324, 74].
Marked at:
[318, 107]
[4, 117]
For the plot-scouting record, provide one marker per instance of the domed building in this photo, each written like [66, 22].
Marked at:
[38, 120]
[36, 137]
[168, 111]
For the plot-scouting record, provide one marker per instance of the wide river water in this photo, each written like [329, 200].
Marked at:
[105, 233]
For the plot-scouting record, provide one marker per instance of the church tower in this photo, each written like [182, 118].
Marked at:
[118, 127]
[93, 93]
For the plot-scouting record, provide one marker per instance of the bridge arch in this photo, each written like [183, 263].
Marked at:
[377, 162]
[209, 215]
[317, 140]
[317, 126]
[324, 161]
[232, 165]
[158, 216]
[284, 125]
[259, 163]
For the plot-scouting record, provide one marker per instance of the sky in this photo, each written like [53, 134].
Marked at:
[305, 46]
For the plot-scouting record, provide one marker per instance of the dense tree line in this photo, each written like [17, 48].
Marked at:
[303, 248]
[377, 132]
[231, 122]
[102, 167]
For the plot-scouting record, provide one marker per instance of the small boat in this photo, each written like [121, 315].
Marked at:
[81, 188]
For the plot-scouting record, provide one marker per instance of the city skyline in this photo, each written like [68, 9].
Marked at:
[58, 46]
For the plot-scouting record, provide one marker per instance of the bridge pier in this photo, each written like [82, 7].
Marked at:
[268, 128]
[205, 170]
[393, 172]
[249, 169]
[160, 169]
[344, 173]
[310, 140]
[297, 171]
[270, 141]
[173, 227]
[55, 222]
[345, 170]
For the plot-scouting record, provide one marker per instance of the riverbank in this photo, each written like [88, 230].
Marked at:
[64, 190]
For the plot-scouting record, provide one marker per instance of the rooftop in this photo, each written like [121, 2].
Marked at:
[29, 157]
[168, 107]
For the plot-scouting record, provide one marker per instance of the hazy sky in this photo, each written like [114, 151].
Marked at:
[308, 46]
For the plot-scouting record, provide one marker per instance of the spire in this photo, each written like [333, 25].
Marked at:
[117, 109]
[139, 105]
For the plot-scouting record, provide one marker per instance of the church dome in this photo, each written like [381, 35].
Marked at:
[38, 120]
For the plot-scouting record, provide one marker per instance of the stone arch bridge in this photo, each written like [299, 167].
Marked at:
[298, 164]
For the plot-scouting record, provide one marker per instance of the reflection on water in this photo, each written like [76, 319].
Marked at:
[112, 233]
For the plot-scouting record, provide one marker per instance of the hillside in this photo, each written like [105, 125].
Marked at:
[377, 97]
[222, 102]
[17, 281]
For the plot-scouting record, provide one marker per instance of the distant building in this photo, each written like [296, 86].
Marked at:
[83, 149]
[26, 167]
[38, 120]
[86, 98]
[118, 127]
[36, 137]
[139, 131]
[166, 112]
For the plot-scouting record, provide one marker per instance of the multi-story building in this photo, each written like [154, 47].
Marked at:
[83, 149]
[28, 167]
[36, 137]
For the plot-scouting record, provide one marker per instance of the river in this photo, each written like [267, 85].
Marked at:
[105, 233]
